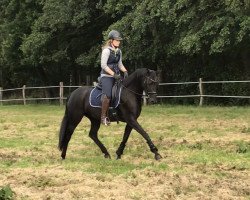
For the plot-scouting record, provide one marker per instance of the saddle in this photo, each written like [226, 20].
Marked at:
[115, 92]
[95, 98]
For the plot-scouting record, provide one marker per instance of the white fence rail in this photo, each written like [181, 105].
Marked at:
[61, 87]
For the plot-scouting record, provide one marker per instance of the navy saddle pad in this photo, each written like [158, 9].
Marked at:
[95, 98]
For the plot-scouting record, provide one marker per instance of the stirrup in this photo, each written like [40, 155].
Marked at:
[106, 121]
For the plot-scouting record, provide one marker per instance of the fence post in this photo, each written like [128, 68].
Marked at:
[61, 93]
[201, 92]
[1, 96]
[144, 98]
[24, 98]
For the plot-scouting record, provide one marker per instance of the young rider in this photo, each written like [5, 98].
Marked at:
[111, 64]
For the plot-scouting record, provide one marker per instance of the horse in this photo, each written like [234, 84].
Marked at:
[128, 110]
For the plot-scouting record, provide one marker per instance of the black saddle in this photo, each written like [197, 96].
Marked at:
[115, 90]
[115, 95]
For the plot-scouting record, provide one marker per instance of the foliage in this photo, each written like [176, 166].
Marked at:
[44, 42]
[16, 20]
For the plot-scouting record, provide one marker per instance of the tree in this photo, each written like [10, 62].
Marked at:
[186, 39]
[160, 32]
[63, 38]
[16, 19]
[44, 42]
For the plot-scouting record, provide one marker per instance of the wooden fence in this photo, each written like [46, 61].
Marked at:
[201, 94]
[61, 87]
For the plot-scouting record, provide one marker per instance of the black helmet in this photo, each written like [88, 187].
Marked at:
[114, 35]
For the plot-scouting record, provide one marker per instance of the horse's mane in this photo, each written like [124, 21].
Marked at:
[136, 75]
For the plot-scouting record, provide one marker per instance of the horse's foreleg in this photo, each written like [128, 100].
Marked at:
[95, 125]
[134, 124]
[127, 132]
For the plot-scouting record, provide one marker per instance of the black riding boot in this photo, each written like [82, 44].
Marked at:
[105, 106]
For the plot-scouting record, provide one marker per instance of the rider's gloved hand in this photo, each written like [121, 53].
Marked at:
[125, 74]
[117, 76]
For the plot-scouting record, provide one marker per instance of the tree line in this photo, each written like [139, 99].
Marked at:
[44, 42]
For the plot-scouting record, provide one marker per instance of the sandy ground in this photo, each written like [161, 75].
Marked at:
[57, 183]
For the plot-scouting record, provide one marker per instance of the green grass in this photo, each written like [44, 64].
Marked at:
[214, 141]
[34, 128]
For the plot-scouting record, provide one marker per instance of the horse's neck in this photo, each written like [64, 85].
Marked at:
[134, 83]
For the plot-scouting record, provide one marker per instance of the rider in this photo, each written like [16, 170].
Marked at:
[111, 64]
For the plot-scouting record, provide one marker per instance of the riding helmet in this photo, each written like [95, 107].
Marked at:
[114, 35]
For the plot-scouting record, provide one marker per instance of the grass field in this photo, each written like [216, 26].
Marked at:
[206, 155]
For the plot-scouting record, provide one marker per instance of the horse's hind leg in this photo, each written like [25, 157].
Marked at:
[93, 134]
[70, 129]
[126, 135]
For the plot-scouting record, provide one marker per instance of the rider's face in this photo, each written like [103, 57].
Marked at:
[116, 43]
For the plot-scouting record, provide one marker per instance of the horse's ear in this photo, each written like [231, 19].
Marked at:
[149, 71]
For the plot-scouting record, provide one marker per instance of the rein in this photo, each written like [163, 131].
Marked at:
[142, 94]
[132, 91]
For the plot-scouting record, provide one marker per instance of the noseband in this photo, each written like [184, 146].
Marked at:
[154, 81]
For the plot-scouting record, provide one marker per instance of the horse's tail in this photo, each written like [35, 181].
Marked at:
[63, 128]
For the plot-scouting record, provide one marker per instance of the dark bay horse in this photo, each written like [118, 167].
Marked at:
[128, 111]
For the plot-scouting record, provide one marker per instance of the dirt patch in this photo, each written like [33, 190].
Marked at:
[58, 183]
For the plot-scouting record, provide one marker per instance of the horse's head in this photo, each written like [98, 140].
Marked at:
[151, 82]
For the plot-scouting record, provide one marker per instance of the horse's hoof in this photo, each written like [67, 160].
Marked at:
[158, 157]
[118, 157]
[107, 156]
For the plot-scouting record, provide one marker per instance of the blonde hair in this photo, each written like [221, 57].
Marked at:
[106, 44]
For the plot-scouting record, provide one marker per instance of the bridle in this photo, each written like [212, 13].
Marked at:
[148, 93]
[154, 81]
